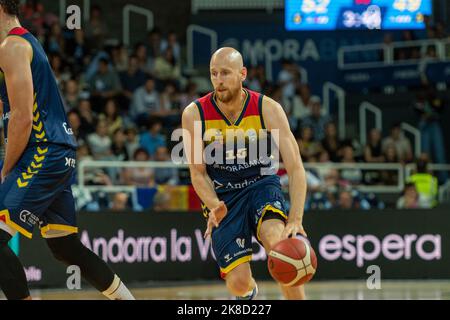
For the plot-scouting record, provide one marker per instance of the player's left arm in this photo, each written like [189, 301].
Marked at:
[15, 60]
[276, 119]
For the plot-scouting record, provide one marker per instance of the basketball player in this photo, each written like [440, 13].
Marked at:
[240, 200]
[39, 164]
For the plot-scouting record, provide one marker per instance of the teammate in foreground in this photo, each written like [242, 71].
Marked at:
[39, 164]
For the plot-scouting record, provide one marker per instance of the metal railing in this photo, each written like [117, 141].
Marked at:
[268, 5]
[387, 52]
[91, 164]
[127, 11]
[363, 108]
[326, 89]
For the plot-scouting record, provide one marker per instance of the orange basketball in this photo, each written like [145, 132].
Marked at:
[292, 262]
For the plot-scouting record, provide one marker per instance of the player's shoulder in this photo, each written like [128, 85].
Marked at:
[13, 48]
[191, 112]
[270, 105]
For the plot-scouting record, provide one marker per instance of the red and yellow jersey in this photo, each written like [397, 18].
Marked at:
[235, 152]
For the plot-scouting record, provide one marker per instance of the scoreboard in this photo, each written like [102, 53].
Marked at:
[356, 14]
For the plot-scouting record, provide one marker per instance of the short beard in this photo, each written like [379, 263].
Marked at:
[229, 95]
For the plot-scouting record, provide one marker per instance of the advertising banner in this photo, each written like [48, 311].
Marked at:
[170, 246]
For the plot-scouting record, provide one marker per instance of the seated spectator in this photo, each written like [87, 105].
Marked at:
[390, 177]
[87, 116]
[373, 153]
[139, 176]
[401, 143]
[307, 145]
[166, 66]
[411, 199]
[75, 123]
[189, 95]
[346, 201]
[111, 116]
[100, 142]
[71, 94]
[301, 103]
[317, 120]
[105, 83]
[146, 102]
[120, 202]
[425, 183]
[152, 138]
[331, 143]
[118, 147]
[133, 78]
[165, 175]
[132, 141]
[353, 175]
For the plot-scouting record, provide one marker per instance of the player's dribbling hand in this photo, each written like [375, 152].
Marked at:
[215, 216]
[293, 228]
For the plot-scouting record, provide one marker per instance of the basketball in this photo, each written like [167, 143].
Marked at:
[292, 262]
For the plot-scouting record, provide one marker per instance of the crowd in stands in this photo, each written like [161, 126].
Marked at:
[123, 103]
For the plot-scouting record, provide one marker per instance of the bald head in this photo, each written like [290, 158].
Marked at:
[228, 56]
[227, 73]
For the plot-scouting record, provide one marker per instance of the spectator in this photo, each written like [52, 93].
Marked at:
[353, 175]
[100, 142]
[105, 83]
[430, 109]
[75, 123]
[133, 78]
[152, 139]
[139, 176]
[307, 145]
[71, 94]
[401, 143]
[55, 41]
[317, 120]
[119, 55]
[252, 81]
[287, 78]
[346, 201]
[172, 43]
[132, 141]
[373, 153]
[146, 102]
[88, 117]
[189, 95]
[331, 143]
[301, 104]
[145, 64]
[165, 175]
[425, 183]
[96, 29]
[166, 67]
[111, 116]
[120, 202]
[119, 148]
[411, 199]
[390, 177]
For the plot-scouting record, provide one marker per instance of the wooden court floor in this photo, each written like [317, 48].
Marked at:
[316, 290]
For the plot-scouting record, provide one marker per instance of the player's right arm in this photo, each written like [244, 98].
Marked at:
[15, 59]
[199, 177]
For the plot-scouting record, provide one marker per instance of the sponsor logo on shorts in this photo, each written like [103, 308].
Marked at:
[240, 242]
[70, 162]
[28, 218]
[237, 185]
[227, 258]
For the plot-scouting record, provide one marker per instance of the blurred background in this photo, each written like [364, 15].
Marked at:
[364, 84]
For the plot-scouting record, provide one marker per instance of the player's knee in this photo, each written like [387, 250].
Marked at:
[239, 283]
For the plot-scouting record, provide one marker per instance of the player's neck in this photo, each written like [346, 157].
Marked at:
[8, 24]
[235, 105]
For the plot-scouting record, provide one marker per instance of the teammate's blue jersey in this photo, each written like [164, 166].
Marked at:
[50, 123]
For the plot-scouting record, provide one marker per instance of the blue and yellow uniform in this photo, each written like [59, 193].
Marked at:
[37, 191]
[242, 178]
